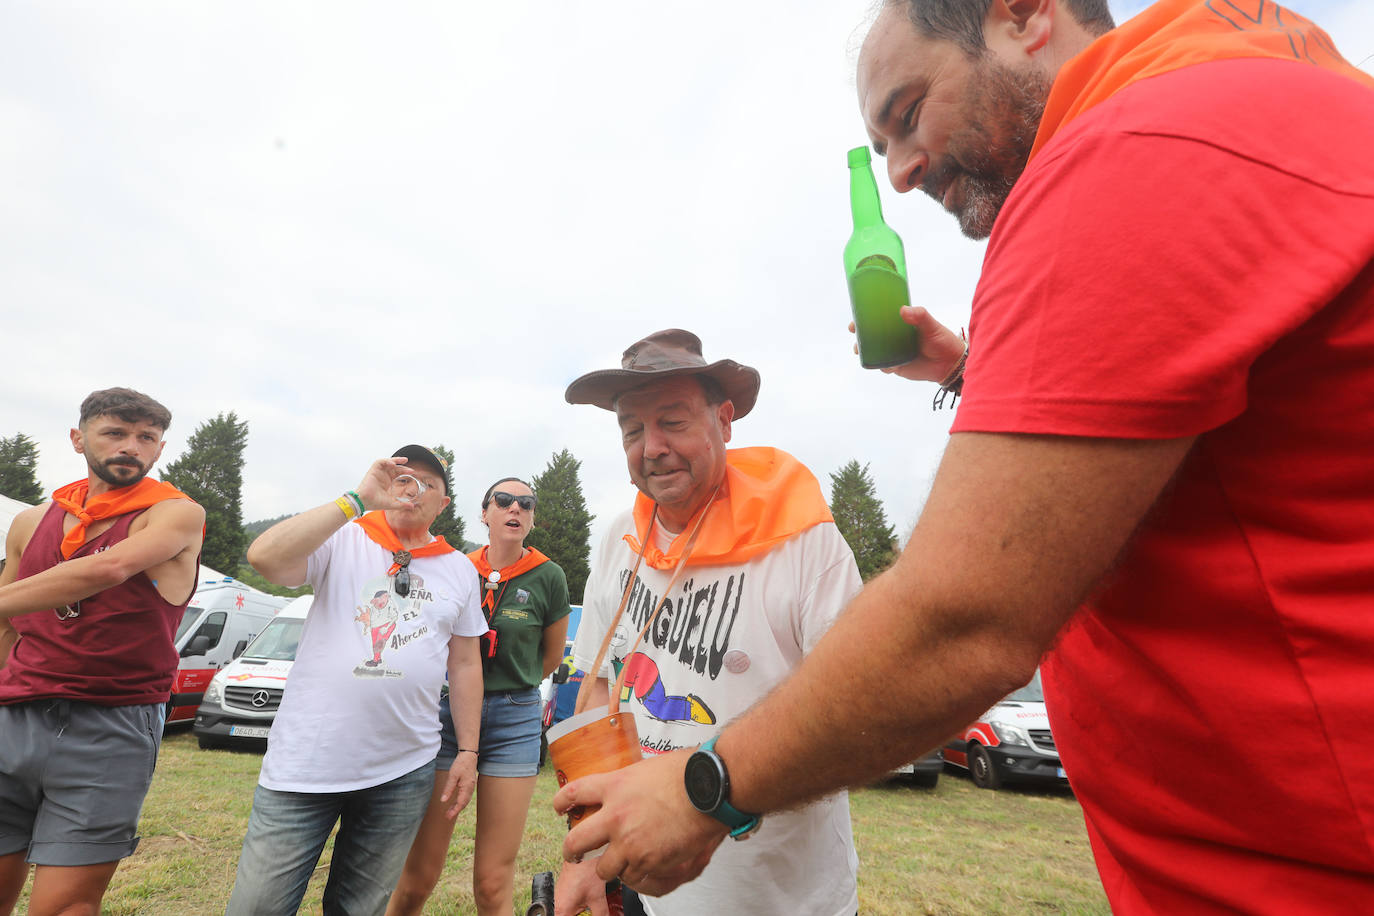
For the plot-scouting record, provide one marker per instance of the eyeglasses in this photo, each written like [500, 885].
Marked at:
[400, 572]
[504, 499]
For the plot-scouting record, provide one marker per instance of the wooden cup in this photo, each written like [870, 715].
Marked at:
[594, 741]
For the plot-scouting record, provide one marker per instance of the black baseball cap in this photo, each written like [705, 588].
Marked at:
[418, 453]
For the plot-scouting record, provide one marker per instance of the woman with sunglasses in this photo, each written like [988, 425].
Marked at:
[525, 598]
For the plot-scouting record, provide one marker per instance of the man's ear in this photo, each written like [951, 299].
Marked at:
[78, 442]
[1022, 26]
[725, 413]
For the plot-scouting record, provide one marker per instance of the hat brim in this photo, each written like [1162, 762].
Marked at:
[602, 387]
[418, 454]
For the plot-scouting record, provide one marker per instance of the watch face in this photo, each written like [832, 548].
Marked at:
[703, 779]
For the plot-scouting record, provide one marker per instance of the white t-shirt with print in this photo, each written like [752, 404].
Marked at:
[361, 703]
[730, 635]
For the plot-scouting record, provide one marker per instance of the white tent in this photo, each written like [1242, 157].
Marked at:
[9, 508]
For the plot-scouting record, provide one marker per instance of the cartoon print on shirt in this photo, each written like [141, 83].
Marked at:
[381, 612]
[643, 680]
[378, 617]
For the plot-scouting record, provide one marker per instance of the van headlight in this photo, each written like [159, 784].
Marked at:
[1011, 734]
[215, 688]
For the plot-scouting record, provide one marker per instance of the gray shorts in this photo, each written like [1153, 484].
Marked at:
[72, 779]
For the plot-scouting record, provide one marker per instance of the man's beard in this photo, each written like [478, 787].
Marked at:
[1002, 108]
[104, 470]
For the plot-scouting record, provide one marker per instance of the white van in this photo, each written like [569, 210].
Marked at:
[220, 621]
[242, 699]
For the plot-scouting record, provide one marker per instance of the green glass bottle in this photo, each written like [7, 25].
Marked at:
[875, 266]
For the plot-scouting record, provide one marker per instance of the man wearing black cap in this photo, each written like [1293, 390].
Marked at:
[355, 739]
[742, 570]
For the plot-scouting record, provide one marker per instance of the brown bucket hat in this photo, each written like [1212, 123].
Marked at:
[662, 355]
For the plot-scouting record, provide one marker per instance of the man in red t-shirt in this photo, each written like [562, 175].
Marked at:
[1160, 473]
[94, 585]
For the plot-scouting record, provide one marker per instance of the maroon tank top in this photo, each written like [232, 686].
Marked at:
[114, 648]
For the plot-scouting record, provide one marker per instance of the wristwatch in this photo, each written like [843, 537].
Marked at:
[708, 787]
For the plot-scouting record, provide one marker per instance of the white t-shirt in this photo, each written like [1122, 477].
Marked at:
[361, 704]
[731, 634]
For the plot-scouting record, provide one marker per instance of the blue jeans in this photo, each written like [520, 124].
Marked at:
[287, 832]
[512, 723]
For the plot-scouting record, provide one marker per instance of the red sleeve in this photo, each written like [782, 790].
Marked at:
[1161, 244]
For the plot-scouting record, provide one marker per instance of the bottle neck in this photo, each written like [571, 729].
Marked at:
[863, 197]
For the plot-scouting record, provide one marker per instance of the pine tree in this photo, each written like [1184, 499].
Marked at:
[860, 517]
[562, 524]
[19, 469]
[210, 471]
[449, 524]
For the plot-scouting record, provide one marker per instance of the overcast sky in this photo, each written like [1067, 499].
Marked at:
[360, 225]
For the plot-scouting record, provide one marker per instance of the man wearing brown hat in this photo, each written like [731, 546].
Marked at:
[745, 569]
[354, 742]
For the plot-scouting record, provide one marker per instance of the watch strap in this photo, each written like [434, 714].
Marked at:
[740, 823]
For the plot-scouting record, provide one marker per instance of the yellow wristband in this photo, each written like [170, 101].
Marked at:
[346, 505]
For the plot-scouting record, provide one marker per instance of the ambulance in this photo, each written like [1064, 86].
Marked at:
[242, 699]
[1011, 742]
[222, 618]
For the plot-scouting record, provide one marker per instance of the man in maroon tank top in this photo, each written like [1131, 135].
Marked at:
[93, 587]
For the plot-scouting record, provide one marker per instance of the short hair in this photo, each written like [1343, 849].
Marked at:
[961, 21]
[126, 404]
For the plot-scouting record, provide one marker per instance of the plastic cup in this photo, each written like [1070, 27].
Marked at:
[593, 741]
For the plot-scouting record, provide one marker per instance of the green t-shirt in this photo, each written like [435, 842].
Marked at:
[529, 603]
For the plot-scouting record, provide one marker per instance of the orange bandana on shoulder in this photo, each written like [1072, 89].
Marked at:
[1174, 34]
[75, 498]
[530, 560]
[768, 496]
[378, 529]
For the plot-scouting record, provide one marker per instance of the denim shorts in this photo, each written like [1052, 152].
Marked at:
[72, 778]
[512, 724]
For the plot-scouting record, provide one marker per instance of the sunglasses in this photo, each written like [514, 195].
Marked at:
[400, 572]
[504, 499]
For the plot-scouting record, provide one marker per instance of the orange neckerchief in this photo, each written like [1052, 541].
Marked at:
[530, 560]
[768, 496]
[76, 499]
[378, 529]
[1174, 34]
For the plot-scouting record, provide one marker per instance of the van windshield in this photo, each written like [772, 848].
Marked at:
[190, 616]
[1031, 693]
[278, 640]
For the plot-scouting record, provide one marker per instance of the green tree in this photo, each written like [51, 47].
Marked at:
[860, 517]
[19, 469]
[210, 471]
[562, 524]
[250, 576]
[449, 524]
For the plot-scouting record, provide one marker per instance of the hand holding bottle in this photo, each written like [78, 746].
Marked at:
[939, 351]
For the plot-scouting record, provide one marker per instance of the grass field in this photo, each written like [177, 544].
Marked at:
[953, 850]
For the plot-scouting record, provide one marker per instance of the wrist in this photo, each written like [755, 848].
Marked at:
[707, 782]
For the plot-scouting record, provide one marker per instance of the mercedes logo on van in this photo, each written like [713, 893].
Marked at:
[260, 698]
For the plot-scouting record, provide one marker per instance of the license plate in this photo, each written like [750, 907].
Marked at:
[257, 731]
[1060, 773]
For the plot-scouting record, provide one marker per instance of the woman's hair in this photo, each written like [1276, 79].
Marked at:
[492, 489]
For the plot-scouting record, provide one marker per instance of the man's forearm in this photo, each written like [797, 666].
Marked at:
[281, 552]
[1016, 533]
[861, 706]
[465, 692]
[66, 583]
